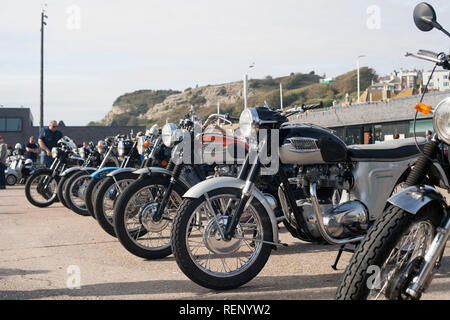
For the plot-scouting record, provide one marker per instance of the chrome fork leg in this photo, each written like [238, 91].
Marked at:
[417, 286]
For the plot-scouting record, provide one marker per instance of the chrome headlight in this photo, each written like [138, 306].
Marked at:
[154, 130]
[101, 145]
[248, 121]
[171, 134]
[441, 120]
[55, 152]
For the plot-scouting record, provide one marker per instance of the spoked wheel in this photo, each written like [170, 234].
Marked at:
[202, 253]
[62, 186]
[40, 188]
[394, 249]
[75, 192]
[135, 227]
[91, 194]
[106, 198]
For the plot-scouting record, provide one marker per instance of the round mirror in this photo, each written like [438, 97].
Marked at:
[424, 16]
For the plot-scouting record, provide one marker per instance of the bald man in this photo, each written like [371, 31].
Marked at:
[48, 139]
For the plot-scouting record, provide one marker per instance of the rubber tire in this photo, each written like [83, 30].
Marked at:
[91, 192]
[69, 202]
[9, 183]
[119, 216]
[188, 266]
[106, 225]
[62, 186]
[377, 245]
[28, 186]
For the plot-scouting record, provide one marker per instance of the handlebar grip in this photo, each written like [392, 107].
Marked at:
[313, 106]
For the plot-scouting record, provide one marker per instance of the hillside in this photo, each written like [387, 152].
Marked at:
[145, 107]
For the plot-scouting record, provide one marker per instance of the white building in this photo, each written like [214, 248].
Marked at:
[440, 80]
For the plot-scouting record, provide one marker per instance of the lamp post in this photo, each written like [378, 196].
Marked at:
[43, 23]
[357, 67]
[246, 87]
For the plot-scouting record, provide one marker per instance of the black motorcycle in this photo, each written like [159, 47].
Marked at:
[41, 186]
[397, 258]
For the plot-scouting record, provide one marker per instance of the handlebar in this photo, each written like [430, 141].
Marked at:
[441, 59]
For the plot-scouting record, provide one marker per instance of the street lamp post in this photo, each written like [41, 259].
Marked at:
[43, 23]
[357, 67]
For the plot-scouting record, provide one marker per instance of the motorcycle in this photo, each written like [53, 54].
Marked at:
[75, 189]
[92, 158]
[155, 154]
[322, 190]
[41, 186]
[18, 170]
[404, 248]
[145, 210]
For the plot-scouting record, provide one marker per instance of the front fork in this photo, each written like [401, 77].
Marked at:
[173, 180]
[419, 283]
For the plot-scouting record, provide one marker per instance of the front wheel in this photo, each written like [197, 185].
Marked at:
[75, 192]
[390, 255]
[40, 188]
[203, 255]
[135, 227]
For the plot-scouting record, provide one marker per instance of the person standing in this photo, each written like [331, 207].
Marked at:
[32, 150]
[3, 155]
[428, 135]
[48, 139]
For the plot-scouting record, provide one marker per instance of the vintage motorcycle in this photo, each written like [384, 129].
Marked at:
[398, 257]
[41, 186]
[320, 188]
[155, 154]
[75, 189]
[145, 210]
[19, 169]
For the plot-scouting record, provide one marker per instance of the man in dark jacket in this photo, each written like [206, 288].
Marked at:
[48, 139]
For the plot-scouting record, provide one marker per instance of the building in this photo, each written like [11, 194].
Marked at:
[440, 80]
[377, 121]
[16, 126]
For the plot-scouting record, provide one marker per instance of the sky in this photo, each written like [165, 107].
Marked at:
[98, 50]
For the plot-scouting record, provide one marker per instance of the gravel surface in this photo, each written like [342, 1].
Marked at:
[41, 247]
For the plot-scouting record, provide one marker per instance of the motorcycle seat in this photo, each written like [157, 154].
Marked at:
[386, 151]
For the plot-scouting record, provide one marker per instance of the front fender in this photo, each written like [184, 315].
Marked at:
[101, 173]
[161, 171]
[229, 182]
[72, 169]
[414, 198]
[119, 171]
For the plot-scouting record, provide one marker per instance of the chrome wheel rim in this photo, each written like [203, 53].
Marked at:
[139, 226]
[77, 191]
[412, 245]
[206, 248]
[110, 198]
[36, 188]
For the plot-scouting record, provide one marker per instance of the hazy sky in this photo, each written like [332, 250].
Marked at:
[97, 50]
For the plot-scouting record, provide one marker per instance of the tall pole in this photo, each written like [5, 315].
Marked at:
[245, 91]
[357, 67]
[281, 96]
[43, 23]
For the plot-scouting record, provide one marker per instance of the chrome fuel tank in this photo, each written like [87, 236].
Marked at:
[305, 144]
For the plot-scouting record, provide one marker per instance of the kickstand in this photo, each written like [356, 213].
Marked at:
[338, 257]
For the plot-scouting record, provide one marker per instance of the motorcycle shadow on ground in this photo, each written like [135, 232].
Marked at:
[263, 287]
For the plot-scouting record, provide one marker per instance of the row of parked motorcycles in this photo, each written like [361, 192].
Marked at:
[218, 198]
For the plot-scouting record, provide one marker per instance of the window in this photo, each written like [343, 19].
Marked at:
[421, 125]
[10, 124]
[445, 84]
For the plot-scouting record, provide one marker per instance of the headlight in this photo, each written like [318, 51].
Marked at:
[154, 130]
[170, 134]
[55, 152]
[101, 146]
[83, 152]
[441, 120]
[248, 121]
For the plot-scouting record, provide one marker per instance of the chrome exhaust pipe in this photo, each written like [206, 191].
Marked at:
[321, 224]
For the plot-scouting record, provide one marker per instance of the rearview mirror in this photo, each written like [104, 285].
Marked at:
[425, 17]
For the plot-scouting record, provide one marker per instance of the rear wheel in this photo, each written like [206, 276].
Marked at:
[40, 188]
[394, 248]
[106, 198]
[202, 253]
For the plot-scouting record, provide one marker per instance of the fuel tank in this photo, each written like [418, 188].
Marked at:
[305, 144]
